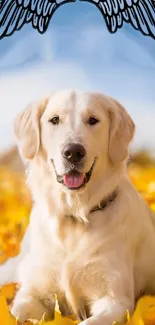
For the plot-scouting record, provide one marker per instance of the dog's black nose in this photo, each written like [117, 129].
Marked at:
[74, 152]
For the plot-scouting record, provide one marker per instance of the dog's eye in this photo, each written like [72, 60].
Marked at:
[92, 120]
[55, 120]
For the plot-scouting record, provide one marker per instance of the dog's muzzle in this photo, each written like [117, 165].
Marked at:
[74, 179]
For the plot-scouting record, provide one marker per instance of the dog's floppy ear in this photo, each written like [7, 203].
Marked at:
[121, 132]
[27, 128]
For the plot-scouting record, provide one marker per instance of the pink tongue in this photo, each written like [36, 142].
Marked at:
[73, 180]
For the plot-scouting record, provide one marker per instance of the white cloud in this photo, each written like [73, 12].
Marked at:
[18, 89]
[95, 40]
[32, 46]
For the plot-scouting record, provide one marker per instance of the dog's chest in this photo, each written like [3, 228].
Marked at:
[67, 234]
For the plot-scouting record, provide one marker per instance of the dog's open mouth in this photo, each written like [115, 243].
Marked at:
[74, 179]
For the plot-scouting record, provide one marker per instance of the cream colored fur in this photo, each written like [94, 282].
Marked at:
[97, 263]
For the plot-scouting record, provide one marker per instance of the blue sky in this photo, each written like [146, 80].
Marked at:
[78, 51]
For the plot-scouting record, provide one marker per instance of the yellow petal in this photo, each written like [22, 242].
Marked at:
[5, 316]
[60, 320]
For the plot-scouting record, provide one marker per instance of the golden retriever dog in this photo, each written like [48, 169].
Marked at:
[92, 236]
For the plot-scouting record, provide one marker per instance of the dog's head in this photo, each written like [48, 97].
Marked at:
[78, 132]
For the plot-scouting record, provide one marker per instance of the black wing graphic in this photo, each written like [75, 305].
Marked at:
[16, 13]
[139, 13]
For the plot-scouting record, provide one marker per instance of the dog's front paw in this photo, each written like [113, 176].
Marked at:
[28, 307]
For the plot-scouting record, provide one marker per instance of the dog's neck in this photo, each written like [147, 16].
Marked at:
[61, 201]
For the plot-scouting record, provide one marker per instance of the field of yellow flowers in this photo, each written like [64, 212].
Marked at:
[15, 206]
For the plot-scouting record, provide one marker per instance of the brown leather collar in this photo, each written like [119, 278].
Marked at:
[106, 202]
